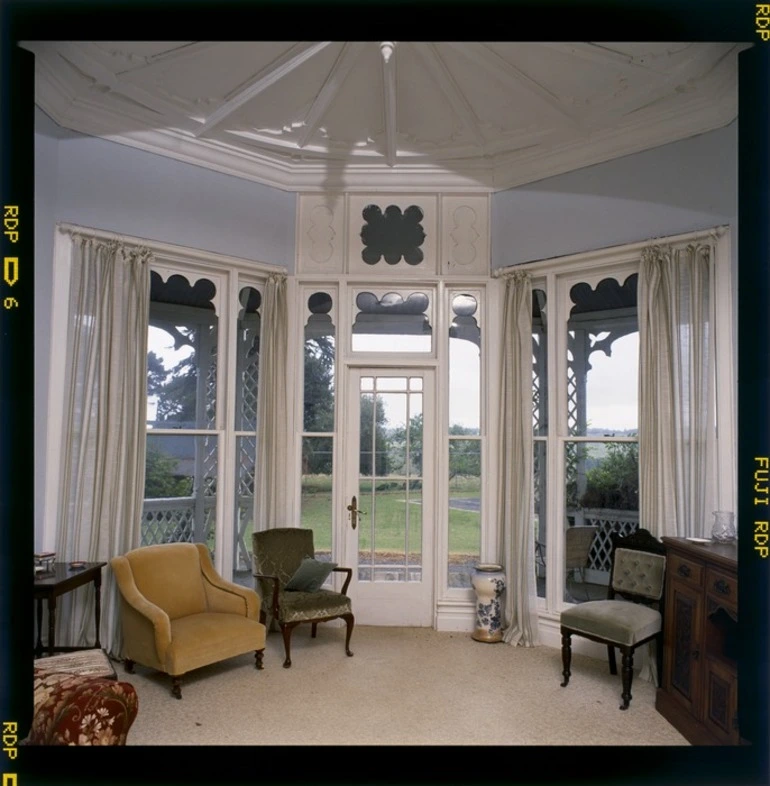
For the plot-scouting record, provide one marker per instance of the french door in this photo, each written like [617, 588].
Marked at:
[389, 479]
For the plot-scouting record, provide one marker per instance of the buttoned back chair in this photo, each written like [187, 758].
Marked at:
[178, 613]
[632, 613]
[290, 580]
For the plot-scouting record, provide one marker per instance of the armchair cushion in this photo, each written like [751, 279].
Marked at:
[310, 575]
[307, 606]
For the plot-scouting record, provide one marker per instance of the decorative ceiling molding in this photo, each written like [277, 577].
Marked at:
[390, 116]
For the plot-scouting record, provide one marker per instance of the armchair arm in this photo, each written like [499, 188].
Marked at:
[276, 587]
[226, 596]
[349, 571]
[154, 615]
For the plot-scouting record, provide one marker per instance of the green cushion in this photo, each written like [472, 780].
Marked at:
[310, 575]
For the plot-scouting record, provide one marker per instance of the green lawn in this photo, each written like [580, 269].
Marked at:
[390, 513]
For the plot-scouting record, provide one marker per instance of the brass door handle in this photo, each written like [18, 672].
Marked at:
[354, 512]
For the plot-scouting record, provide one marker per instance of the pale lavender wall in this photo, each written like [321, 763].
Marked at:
[104, 185]
[672, 189]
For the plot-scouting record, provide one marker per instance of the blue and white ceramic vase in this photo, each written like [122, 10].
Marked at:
[489, 582]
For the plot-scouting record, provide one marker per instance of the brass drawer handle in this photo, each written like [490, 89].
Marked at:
[684, 570]
[722, 587]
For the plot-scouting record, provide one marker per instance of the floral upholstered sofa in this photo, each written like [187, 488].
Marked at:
[77, 709]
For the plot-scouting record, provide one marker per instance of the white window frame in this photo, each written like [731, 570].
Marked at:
[606, 263]
[232, 273]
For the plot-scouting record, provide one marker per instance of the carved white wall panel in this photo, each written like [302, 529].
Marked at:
[465, 234]
[320, 233]
[427, 204]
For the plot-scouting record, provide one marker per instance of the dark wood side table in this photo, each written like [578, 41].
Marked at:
[62, 580]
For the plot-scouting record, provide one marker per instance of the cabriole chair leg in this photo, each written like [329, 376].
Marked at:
[287, 630]
[350, 621]
[129, 664]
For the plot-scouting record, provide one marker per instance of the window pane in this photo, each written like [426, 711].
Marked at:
[182, 354]
[319, 365]
[392, 323]
[247, 376]
[316, 493]
[464, 510]
[602, 493]
[246, 451]
[603, 359]
[539, 365]
[464, 367]
[180, 489]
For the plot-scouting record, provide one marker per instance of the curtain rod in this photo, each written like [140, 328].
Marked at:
[171, 248]
[715, 233]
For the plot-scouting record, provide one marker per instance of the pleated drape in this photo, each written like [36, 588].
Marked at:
[103, 434]
[273, 420]
[676, 391]
[516, 497]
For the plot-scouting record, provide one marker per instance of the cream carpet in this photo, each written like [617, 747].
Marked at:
[403, 686]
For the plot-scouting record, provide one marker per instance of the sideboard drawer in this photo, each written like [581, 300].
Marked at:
[722, 587]
[685, 569]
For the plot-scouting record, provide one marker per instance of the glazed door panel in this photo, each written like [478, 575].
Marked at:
[389, 505]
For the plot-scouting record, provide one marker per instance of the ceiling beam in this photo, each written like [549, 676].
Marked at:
[279, 68]
[177, 53]
[498, 66]
[451, 90]
[389, 93]
[340, 70]
[102, 75]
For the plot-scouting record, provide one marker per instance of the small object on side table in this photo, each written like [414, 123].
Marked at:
[44, 561]
[77, 565]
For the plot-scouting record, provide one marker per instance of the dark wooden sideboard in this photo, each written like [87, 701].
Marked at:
[699, 689]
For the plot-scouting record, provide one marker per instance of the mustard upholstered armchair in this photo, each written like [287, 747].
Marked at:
[632, 613]
[179, 614]
[288, 577]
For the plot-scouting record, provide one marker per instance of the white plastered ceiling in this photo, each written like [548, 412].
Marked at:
[397, 116]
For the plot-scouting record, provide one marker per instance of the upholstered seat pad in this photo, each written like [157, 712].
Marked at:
[200, 639]
[618, 621]
[303, 606]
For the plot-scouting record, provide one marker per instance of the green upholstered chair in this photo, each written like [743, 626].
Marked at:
[631, 615]
[278, 556]
[179, 614]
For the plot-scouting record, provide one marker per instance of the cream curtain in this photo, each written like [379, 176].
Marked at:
[103, 434]
[516, 500]
[676, 396]
[272, 428]
[676, 390]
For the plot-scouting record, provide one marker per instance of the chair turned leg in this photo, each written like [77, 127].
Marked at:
[176, 686]
[287, 631]
[611, 658]
[313, 630]
[350, 621]
[627, 673]
[259, 654]
[566, 656]
[129, 664]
